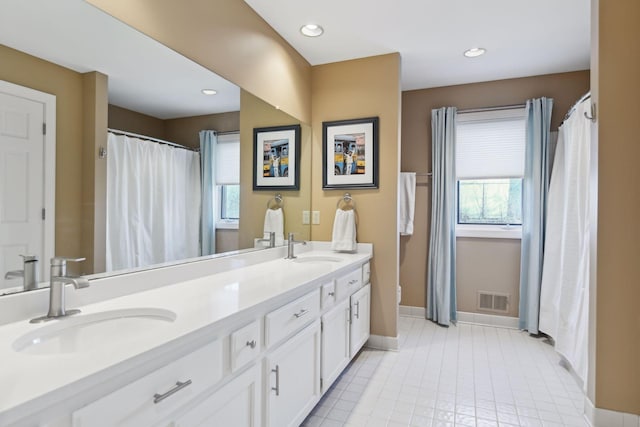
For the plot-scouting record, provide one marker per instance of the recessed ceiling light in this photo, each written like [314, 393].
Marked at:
[209, 91]
[311, 30]
[473, 52]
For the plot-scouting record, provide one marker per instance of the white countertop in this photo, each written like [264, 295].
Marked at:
[200, 304]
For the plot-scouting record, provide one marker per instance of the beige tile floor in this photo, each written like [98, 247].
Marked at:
[465, 375]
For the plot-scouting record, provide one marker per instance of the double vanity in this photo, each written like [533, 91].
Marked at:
[251, 339]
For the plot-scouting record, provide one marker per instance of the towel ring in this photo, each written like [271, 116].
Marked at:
[346, 203]
[276, 202]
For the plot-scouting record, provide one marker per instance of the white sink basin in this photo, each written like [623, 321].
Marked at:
[317, 258]
[85, 332]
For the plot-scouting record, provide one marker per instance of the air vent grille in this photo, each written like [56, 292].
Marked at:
[494, 302]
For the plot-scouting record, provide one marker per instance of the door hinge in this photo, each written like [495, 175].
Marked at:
[44, 211]
[44, 128]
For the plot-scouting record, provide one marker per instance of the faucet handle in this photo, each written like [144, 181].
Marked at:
[60, 261]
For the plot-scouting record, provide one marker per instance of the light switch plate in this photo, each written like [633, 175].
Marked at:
[306, 217]
[316, 217]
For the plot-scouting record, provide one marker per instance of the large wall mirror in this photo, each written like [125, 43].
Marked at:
[106, 75]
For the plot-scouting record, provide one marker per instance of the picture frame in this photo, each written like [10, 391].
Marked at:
[276, 158]
[350, 153]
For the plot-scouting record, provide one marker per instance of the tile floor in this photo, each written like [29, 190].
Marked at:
[465, 375]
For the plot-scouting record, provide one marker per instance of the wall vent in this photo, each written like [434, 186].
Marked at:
[492, 301]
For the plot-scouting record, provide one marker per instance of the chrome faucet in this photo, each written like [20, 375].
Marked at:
[58, 279]
[291, 242]
[271, 239]
[29, 272]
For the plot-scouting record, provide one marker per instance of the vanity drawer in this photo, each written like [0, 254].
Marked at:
[328, 294]
[291, 317]
[246, 344]
[348, 284]
[366, 273]
[153, 397]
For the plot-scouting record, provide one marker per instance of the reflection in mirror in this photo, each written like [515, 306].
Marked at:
[114, 77]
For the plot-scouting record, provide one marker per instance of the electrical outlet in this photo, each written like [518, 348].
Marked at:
[316, 217]
[306, 217]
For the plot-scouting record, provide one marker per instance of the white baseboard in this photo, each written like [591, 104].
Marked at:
[380, 342]
[408, 311]
[488, 320]
[464, 317]
[598, 417]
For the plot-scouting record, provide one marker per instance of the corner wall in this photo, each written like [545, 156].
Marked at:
[350, 90]
[617, 361]
[477, 257]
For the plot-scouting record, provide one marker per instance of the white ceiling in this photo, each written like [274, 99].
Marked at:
[522, 38]
[144, 75]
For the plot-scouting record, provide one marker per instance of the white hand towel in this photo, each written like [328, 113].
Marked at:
[344, 231]
[274, 221]
[407, 203]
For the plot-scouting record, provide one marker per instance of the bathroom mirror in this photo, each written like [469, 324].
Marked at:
[36, 54]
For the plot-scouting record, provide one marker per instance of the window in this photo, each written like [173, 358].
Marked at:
[489, 167]
[228, 180]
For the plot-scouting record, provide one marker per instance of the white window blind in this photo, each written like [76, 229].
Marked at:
[228, 159]
[490, 144]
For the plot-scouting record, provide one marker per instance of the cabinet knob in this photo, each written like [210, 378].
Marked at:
[251, 343]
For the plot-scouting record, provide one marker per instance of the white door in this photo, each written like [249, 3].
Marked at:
[360, 319]
[22, 180]
[335, 343]
[292, 386]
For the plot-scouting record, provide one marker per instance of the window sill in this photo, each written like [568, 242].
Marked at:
[226, 225]
[489, 231]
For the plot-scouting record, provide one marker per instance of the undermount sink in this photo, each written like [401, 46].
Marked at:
[86, 332]
[317, 259]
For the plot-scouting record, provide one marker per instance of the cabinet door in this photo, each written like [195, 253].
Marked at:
[292, 387]
[335, 343]
[236, 404]
[360, 310]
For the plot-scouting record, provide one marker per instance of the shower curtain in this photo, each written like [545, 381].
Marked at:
[153, 203]
[564, 299]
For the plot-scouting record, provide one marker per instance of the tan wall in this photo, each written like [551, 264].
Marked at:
[350, 90]
[132, 121]
[565, 88]
[26, 70]
[256, 113]
[227, 240]
[94, 173]
[487, 265]
[618, 240]
[185, 131]
[251, 55]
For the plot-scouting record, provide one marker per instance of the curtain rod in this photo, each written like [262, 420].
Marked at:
[229, 132]
[502, 107]
[152, 139]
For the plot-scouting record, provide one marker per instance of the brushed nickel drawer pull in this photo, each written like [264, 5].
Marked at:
[251, 343]
[331, 294]
[277, 387]
[301, 313]
[157, 398]
[353, 282]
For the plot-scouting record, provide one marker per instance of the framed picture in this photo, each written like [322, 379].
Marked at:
[276, 158]
[350, 153]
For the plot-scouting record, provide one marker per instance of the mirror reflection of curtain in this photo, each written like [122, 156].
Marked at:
[208, 142]
[153, 203]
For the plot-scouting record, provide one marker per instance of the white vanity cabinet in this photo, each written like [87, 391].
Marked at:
[236, 404]
[360, 318]
[292, 383]
[155, 397]
[335, 343]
